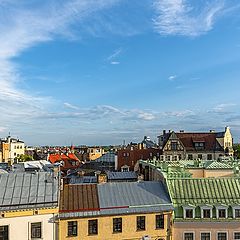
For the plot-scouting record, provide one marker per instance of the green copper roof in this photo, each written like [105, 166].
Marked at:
[218, 165]
[201, 191]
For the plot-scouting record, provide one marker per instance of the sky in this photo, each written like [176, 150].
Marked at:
[99, 72]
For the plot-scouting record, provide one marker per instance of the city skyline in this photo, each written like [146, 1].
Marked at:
[100, 72]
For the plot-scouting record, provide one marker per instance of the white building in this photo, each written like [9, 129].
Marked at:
[28, 206]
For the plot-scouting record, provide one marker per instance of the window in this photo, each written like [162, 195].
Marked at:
[189, 213]
[175, 158]
[36, 230]
[237, 236]
[117, 225]
[209, 157]
[173, 146]
[199, 145]
[200, 156]
[206, 213]
[188, 236]
[4, 232]
[92, 227]
[222, 236]
[160, 221]
[140, 223]
[72, 228]
[237, 213]
[190, 157]
[205, 236]
[222, 213]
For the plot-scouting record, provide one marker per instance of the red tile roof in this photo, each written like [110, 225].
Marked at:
[209, 139]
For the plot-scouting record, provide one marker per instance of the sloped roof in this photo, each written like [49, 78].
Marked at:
[121, 175]
[107, 157]
[53, 158]
[199, 191]
[209, 139]
[82, 197]
[125, 194]
[26, 190]
[217, 165]
[114, 198]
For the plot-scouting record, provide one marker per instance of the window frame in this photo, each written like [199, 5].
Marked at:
[5, 232]
[91, 230]
[185, 209]
[206, 208]
[222, 232]
[159, 223]
[33, 236]
[141, 220]
[117, 226]
[234, 235]
[204, 233]
[71, 233]
[219, 209]
[191, 232]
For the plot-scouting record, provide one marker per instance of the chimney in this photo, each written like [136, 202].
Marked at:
[164, 132]
[181, 131]
[101, 177]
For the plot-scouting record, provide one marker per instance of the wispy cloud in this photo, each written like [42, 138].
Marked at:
[23, 27]
[172, 77]
[114, 56]
[69, 105]
[180, 17]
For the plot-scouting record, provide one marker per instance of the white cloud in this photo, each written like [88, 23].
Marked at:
[22, 27]
[113, 57]
[172, 77]
[69, 105]
[223, 107]
[115, 63]
[179, 17]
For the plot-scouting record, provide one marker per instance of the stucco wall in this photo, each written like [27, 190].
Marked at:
[198, 227]
[20, 227]
[105, 228]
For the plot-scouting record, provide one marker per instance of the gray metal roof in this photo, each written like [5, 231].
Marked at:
[27, 190]
[132, 194]
[121, 175]
[83, 179]
[128, 198]
[107, 157]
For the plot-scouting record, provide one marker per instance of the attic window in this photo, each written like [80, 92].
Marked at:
[199, 145]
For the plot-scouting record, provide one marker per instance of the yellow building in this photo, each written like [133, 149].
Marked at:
[126, 210]
[95, 152]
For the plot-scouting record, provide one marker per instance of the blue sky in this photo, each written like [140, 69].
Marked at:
[104, 71]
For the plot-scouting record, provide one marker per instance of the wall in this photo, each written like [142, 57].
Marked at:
[20, 227]
[197, 227]
[105, 231]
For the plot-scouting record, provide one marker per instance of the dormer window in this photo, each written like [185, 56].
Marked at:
[236, 211]
[189, 212]
[199, 145]
[221, 212]
[206, 212]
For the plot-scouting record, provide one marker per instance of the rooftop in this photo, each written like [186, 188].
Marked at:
[27, 190]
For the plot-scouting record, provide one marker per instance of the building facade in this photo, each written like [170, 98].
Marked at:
[206, 146]
[115, 211]
[28, 206]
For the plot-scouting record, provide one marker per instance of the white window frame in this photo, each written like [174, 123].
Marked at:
[206, 208]
[234, 234]
[235, 208]
[188, 208]
[188, 232]
[205, 232]
[220, 208]
[221, 232]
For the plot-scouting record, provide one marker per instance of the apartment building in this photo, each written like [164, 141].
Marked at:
[130, 210]
[28, 206]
